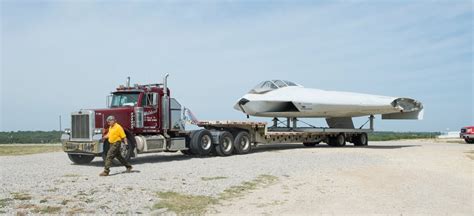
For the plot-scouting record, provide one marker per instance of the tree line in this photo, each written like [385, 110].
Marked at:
[30, 137]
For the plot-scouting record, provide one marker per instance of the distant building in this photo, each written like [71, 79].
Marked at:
[449, 135]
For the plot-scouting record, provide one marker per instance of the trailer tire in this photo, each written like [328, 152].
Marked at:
[337, 141]
[242, 143]
[80, 159]
[201, 143]
[360, 140]
[126, 153]
[225, 147]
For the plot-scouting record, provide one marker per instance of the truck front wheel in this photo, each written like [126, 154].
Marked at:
[126, 153]
[80, 159]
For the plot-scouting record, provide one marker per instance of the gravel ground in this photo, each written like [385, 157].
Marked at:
[395, 177]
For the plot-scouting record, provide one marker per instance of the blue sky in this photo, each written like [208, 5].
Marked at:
[60, 56]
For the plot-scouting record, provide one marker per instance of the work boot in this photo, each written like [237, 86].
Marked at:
[104, 173]
[129, 169]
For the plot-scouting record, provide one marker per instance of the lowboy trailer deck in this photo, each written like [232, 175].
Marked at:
[259, 133]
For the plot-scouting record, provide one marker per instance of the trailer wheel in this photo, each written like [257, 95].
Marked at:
[80, 159]
[242, 143]
[360, 140]
[201, 143]
[337, 141]
[225, 145]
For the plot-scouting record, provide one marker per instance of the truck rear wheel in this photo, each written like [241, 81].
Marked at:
[225, 145]
[242, 144]
[470, 141]
[201, 143]
[80, 159]
[360, 140]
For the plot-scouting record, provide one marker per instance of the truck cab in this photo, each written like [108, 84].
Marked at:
[151, 119]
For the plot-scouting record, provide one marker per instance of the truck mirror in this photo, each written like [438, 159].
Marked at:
[155, 99]
[108, 101]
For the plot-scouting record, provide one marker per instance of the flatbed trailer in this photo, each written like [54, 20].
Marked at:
[260, 133]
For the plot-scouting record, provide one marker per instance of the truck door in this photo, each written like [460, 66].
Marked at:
[150, 110]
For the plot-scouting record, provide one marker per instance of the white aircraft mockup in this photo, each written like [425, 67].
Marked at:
[280, 98]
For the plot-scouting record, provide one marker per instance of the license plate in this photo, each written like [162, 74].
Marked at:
[70, 146]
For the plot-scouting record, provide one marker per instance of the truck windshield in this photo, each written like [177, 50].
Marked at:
[124, 99]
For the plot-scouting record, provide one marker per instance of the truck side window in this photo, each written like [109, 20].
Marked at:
[148, 100]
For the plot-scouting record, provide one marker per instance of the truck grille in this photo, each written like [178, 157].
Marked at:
[80, 126]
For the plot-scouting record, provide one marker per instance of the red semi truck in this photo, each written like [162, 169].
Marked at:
[154, 122]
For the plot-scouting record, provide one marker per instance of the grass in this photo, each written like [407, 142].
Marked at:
[183, 204]
[197, 205]
[5, 202]
[6, 150]
[47, 210]
[240, 190]
[213, 178]
[386, 136]
[21, 196]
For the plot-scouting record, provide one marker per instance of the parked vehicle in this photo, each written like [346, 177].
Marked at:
[467, 133]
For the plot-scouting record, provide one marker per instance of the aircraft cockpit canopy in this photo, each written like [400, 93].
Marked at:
[271, 85]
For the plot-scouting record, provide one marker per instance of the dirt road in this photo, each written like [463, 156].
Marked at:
[394, 177]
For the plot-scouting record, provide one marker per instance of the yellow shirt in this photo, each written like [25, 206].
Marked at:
[116, 133]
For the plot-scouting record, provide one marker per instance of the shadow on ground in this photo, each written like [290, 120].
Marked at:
[166, 157]
[279, 147]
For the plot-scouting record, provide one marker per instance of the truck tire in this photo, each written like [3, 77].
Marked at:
[242, 143]
[126, 153]
[470, 141]
[337, 141]
[225, 147]
[360, 140]
[201, 143]
[188, 144]
[80, 159]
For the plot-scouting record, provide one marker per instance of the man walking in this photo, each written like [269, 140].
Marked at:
[115, 136]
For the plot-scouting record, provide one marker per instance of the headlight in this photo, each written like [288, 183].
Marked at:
[67, 130]
[98, 131]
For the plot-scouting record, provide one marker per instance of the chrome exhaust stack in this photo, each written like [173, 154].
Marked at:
[165, 111]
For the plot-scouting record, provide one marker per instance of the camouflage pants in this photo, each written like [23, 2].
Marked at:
[114, 152]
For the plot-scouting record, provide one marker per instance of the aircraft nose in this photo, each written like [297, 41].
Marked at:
[239, 105]
[243, 101]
